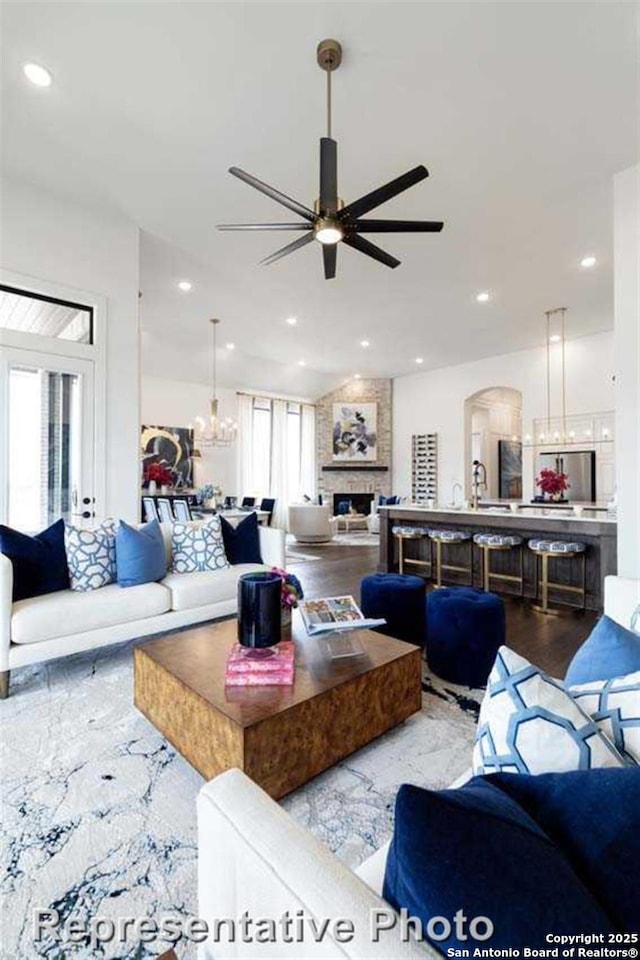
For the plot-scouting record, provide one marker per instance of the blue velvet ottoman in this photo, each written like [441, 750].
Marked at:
[400, 600]
[465, 627]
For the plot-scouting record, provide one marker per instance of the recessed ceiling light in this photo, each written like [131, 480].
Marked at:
[38, 75]
[555, 338]
[483, 296]
[185, 285]
[292, 321]
[302, 363]
[589, 261]
[356, 376]
[231, 346]
[419, 359]
[364, 343]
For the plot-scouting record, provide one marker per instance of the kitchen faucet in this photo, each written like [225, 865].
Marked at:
[479, 481]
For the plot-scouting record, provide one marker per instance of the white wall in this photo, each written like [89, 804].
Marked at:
[51, 239]
[627, 361]
[433, 402]
[176, 403]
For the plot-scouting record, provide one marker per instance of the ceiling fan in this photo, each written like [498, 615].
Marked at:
[331, 222]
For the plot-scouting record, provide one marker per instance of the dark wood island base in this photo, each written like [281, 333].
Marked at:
[599, 537]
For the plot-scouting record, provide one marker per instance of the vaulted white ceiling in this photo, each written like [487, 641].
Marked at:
[522, 113]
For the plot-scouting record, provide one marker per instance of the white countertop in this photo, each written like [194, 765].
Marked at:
[530, 511]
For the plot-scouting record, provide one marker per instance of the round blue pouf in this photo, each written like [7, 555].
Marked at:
[400, 600]
[465, 627]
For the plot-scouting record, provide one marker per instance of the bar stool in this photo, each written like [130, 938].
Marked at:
[545, 549]
[402, 534]
[446, 538]
[488, 542]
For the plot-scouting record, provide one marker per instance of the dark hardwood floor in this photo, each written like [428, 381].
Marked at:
[549, 642]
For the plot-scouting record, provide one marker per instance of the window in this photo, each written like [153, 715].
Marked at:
[294, 447]
[262, 478]
[43, 316]
[261, 463]
[276, 450]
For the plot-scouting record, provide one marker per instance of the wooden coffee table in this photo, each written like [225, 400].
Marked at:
[280, 736]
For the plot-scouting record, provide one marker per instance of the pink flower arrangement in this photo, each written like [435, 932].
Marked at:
[552, 482]
[291, 591]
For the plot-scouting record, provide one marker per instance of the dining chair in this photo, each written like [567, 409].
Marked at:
[181, 509]
[248, 501]
[149, 510]
[268, 504]
[165, 511]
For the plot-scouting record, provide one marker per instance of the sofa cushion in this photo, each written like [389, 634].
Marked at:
[615, 706]
[609, 651]
[530, 724]
[140, 554]
[242, 542]
[475, 850]
[594, 817]
[39, 563]
[198, 546]
[191, 590]
[91, 555]
[69, 611]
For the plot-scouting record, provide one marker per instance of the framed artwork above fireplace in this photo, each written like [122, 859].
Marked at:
[354, 432]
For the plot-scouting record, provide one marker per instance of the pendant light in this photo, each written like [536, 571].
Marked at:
[212, 431]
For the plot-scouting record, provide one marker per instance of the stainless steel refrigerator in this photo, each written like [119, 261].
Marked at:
[580, 467]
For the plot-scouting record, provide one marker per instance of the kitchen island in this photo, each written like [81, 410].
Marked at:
[599, 534]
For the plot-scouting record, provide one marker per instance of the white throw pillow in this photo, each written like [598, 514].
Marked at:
[198, 546]
[615, 706]
[91, 555]
[530, 724]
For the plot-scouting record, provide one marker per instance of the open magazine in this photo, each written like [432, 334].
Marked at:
[334, 613]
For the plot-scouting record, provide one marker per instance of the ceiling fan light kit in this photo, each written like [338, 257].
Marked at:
[330, 222]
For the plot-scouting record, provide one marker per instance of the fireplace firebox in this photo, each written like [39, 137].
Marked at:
[352, 503]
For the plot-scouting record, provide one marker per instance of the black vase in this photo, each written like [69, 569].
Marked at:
[259, 609]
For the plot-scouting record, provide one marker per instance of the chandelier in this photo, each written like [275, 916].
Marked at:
[212, 431]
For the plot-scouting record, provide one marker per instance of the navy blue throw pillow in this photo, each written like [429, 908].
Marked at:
[39, 563]
[594, 817]
[609, 651]
[475, 850]
[242, 543]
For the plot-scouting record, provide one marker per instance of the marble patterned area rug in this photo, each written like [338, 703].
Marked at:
[98, 810]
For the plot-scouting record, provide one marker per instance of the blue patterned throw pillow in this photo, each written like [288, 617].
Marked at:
[198, 546]
[615, 706]
[91, 556]
[530, 724]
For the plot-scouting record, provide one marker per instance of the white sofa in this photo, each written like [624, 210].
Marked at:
[253, 857]
[57, 624]
[312, 523]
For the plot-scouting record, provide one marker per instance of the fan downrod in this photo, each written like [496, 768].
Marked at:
[329, 55]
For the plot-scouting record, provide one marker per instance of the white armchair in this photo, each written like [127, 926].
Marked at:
[373, 520]
[312, 523]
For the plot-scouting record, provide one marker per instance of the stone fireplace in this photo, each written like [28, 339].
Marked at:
[362, 481]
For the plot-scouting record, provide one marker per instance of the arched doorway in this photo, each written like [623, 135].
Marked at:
[493, 435]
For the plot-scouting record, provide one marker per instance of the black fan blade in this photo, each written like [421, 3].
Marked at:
[265, 226]
[328, 175]
[371, 250]
[329, 257]
[273, 193]
[290, 248]
[382, 194]
[396, 226]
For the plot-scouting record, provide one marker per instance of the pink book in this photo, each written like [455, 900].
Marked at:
[261, 660]
[278, 678]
